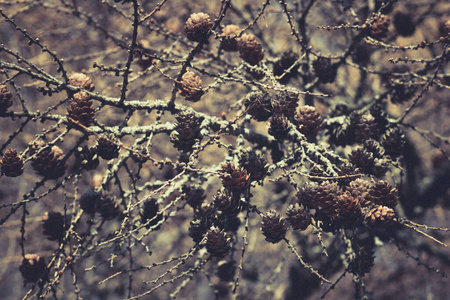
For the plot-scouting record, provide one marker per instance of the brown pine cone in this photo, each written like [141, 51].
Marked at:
[226, 202]
[366, 127]
[250, 49]
[191, 87]
[359, 189]
[149, 212]
[324, 196]
[383, 193]
[48, 163]
[193, 195]
[380, 27]
[217, 242]
[80, 109]
[363, 260]
[5, 99]
[107, 147]
[202, 222]
[374, 147]
[259, 106]
[298, 216]
[197, 27]
[348, 210]
[285, 103]
[325, 71]
[187, 131]
[273, 226]
[54, 225]
[255, 164]
[308, 120]
[228, 42]
[362, 158]
[279, 126]
[234, 178]
[393, 142]
[380, 167]
[82, 81]
[32, 267]
[108, 207]
[89, 201]
[11, 164]
[87, 158]
[380, 217]
[286, 61]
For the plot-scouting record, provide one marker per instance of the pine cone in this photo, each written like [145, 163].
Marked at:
[228, 42]
[193, 195]
[279, 127]
[362, 158]
[285, 103]
[234, 178]
[401, 93]
[187, 131]
[48, 163]
[11, 164]
[87, 158]
[394, 142]
[108, 207]
[149, 212]
[326, 223]
[347, 169]
[380, 27]
[80, 109]
[191, 87]
[255, 164]
[54, 225]
[5, 99]
[286, 61]
[298, 216]
[250, 49]
[82, 81]
[308, 120]
[324, 196]
[217, 242]
[89, 201]
[382, 193]
[404, 24]
[380, 217]
[32, 267]
[324, 70]
[197, 27]
[380, 167]
[366, 127]
[348, 210]
[259, 106]
[203, 220]
[226, 202]
[273, 226]
[107, 147]
[374, 147]
[364, 257]
[359, 189]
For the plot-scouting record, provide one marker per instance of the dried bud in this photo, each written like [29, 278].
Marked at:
[11, 164]
[191, 87]
[273, 226]
[197, 27]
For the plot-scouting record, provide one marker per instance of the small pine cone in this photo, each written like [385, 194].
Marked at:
[82, 81]
[5, 99]
[217, 242]
[374, 147]
[404, 24]
[32, 267]
[255, 164]
[191, 87]
[197, 230]
[308, 120]
[11, 164]
[194, 196]
[197, 26]
[259, 106]
[362, 158]
[234, 178]
[89, 201]
[107, 147]
[273, 226]
[279, 126]
[285, 103]
[298, 216]
[394, 142]
[49, 163]
[250, 49]
[325, 71]
[380, 167]
[202, 222]
[226, 202]
[80, 109]
[226, 270]
[380, 27]
[87, 158]
[444, 26]
[228, 42]
[54, 225]
[359, 189]
[108, 207]
[149, 212]
[308, 193]
[383, 193]
[187, 131]
[364, 258]
[326, 194]
[283, 64]
[379, 217]
[326, 223]
[346, 169]
[349, 210]
[401, 93]
[366, 127]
